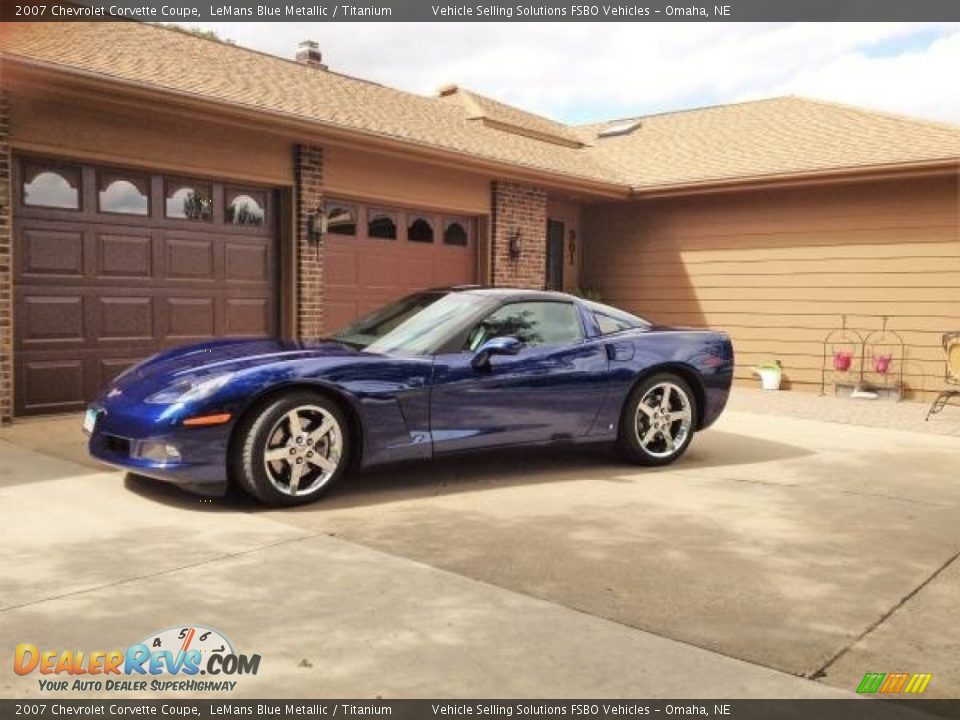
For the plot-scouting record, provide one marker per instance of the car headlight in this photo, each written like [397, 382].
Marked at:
[189, 389]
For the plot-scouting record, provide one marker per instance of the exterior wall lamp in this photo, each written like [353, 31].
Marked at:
[516, 246]
[316, 226]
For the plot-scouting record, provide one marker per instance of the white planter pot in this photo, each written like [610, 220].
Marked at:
[769, 378]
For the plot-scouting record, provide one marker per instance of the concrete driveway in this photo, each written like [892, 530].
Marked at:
[781, 558]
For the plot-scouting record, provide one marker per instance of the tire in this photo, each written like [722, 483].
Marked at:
[305, 459]
[648, 436]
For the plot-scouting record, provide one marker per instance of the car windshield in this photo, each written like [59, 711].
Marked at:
[416, 325]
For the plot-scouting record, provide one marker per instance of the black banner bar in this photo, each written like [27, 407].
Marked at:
[185, 11]
[853, 709]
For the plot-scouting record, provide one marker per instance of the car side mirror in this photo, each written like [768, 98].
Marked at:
[495, 346]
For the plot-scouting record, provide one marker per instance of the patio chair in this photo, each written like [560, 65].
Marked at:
[951, 346]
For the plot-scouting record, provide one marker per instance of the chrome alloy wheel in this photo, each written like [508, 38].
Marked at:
[664, 420]
[303, 450]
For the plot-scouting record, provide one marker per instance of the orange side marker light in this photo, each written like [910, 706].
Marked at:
[202, 420]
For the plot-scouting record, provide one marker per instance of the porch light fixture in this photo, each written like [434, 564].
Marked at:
[316, 225]
[515, 246]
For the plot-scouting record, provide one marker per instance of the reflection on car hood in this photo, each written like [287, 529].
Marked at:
[232, 356]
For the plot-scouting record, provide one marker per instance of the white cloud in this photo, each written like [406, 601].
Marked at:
[914, 83]
[585, 71]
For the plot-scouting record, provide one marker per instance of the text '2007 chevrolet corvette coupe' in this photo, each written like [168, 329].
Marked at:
[441, 371]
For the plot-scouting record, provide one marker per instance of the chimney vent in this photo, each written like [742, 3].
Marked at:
[308, 53]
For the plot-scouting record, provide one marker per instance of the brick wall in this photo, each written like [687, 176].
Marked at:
[6, 268]
[524, 208]
[309, 194]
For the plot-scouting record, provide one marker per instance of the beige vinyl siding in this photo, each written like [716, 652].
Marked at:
[777, 269]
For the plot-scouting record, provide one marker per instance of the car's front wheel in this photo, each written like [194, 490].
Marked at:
[658, 420]
[291, 450]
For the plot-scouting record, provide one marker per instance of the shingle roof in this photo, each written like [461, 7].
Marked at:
[775, 137]
[778, 136]
[493, 112]
[162, 58]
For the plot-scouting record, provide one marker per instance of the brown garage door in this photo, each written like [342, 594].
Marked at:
[375, 254]
[112, 265]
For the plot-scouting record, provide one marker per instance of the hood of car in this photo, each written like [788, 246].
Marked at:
[231, 356]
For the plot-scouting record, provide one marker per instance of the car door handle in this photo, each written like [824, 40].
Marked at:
[620, 351]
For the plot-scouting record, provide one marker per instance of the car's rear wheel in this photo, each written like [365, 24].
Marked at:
[292, 450]
[658, 420]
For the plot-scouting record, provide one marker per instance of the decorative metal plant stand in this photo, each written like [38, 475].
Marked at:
[863, 366]
[842, 356]
[883, 359]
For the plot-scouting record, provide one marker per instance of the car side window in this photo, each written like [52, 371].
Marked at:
[533, 323]
[609, 324]
[611, 320]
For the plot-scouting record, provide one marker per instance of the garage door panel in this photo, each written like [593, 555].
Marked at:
[43, 319]
[190, 260]
[341, 266]
[106, 368]
[417, 272]
[443, 276]
[52, 385]
[49, 252]
[96, 292]
[341, 281]
[363, 273]
[189, 319]
[449, 265]
[246, 317]
[124, 256]
[247, 262]
[338, 312]
[383, 272]
[125, 318]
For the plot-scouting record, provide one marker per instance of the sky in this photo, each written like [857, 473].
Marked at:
[584, 72]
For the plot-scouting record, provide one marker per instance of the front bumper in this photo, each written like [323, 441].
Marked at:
[193, 458]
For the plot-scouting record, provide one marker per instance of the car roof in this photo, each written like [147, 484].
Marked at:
[505, 292]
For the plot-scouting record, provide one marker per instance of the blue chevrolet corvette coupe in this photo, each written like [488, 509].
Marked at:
[441, 371]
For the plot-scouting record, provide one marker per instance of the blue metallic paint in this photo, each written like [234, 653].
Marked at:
[409, 407]
[538, 395]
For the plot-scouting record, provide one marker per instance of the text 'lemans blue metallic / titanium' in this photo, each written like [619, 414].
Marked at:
[442, 371]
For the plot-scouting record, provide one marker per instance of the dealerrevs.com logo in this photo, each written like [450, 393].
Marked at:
[171, 659]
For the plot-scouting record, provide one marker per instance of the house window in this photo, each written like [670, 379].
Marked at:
[382, 225]
[189, 200]
[341, 218]
[52, 187]
[456, 232]
[420, 230]
[246, 207]
[123, 193]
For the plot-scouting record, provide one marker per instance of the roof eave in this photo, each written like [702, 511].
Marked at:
[859, 173]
